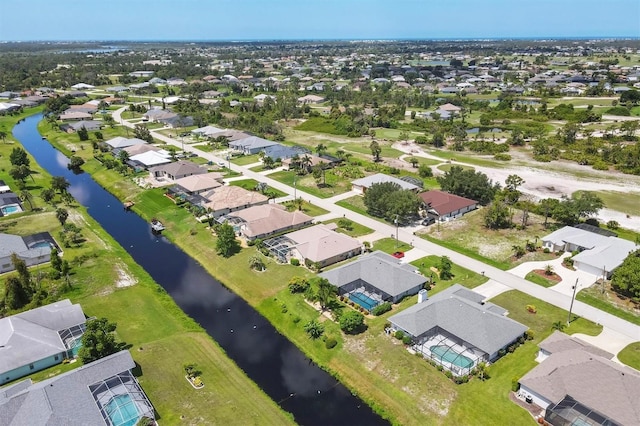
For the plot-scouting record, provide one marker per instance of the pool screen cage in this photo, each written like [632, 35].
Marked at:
[370, 296]
[71, 335]
[570, 412]
[280, 247]
[453, 356]
[116, 410]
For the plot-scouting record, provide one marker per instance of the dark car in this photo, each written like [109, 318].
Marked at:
[428, 221]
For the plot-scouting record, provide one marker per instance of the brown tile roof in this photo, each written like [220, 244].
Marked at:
[319, 243]
[445, 203]
[269, 218]
[232, 197]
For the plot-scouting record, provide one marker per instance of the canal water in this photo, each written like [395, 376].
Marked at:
[268, 358]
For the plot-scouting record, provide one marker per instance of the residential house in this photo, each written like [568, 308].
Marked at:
[599, 254]
[311, 99]
[82, 86]
[250, 145]
[4, 188]
[206, 131]
[319, 244]
[197, 184]
[457, 329]
[379, 276]
[177, 170]
[226, 199]
[265, 220]
[71, 115]
[10, 203]
[577, 383]
[90, 125]
[33, 249]
[120, 142]
[145, 74]
[104, 392]
[148, 159]
[282, 152]
[442, 205]
[37, 339]
[361, 185]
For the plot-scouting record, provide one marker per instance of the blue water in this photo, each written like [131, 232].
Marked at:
[10, 209]
[363, 300]
[76, 347]
[452, 357]
[41, 244]
[279, 367]
[122, 411]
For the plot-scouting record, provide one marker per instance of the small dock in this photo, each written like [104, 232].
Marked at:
[156, 225]
[128, 204]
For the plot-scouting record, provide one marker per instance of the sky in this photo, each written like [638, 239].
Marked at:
[71, 20]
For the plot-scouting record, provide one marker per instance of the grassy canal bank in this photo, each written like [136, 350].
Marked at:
[107, 282]
[398, 385]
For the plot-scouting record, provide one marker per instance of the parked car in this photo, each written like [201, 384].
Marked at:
[428, 221]
[398, 254]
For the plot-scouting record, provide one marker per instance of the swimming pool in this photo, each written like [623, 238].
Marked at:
[77, 344]
[363, 300]
[11, 208]
[122, 411]
[41, 244]
[447, 354]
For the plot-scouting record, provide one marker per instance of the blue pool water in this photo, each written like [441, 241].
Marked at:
[122, 411]
[41, 244]
[10, 209]
[76, 347]
[452, 357]
[363, 300]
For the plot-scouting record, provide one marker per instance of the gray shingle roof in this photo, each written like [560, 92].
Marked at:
[33, 335]
[459, 311]
[62, 400]
[366, 182]
[380, 270]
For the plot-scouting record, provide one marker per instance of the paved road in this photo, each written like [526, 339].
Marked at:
[618, 325]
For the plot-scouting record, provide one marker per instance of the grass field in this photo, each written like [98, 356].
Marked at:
[243, 160]
[461, 275]
[334, 184]
[356, 230]
[631, 355]
[537, 279]
[390, 245]
[625, 202]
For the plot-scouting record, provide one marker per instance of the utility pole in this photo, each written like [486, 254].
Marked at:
[396, 222]
[575, 287]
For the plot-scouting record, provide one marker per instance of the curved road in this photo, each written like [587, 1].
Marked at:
[627, 329]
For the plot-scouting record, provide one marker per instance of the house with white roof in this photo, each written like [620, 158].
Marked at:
[121, 142]
[37, 339]
[599, 254]
[361, 185]
[250, 145]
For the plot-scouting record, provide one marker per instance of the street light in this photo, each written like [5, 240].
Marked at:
[575, 287]
[396, 222]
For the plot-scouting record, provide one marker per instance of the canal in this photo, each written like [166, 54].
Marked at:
[292, 380]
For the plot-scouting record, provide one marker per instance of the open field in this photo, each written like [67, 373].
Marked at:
[356, 230]
[334, 184]
[625, 202]
[461, 275]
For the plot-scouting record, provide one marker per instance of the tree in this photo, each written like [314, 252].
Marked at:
[256, 263]
[568, 133]
[351, 321]
[498, 215]
[123, 156]
[19, 157]
[141, 131]
[15, 295]
[47, 195]
[226, 245]
[626, 278]
[75, 163]
[587, 203]
[558, 325]
[83, 133]
[389, 200]
[321, 149]
[326, 292]
[298, 284]
[59, 184]
[62, 215]
[375, 150]
[414, 161]
[468, 183]
[99, 341]
[3, 135]
[518, 251]
[425, 171]
[632, 96]
[314, 329]
[56, 264]
[438, 139]
[445, 268]
[512, 183]
[268, 162]
[25, 195]
[20, 173]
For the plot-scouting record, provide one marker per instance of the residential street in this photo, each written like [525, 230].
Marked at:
[560, 299]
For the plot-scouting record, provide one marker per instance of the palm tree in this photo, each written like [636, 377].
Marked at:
[305, 164]
[326, 292]
[298, 202]
[321, 149]
[3, 135]
[25, 195]
[62, 215]
[255, 262]
[558, 325]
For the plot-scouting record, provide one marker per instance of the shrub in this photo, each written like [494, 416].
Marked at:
[298, 285]
[515, 384]
[529, 334]
[296, 320]
[294, 261]
[381, 309]
[501, 156]
[546, 250]
[406, 340]
[531, 308]
[314, 329]
[399, 335]
[351, 321]
[449, 374]
[612, 224]
[330, 343]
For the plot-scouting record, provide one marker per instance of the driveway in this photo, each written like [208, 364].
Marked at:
[506, 278]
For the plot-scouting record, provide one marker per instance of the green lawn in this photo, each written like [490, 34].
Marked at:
[537, 279]
[356, 230]
[390, 245]
[447, 167]
[307, 208]
[333, 184]
[625, 202]
[592, 296]
[243, 160]
[251, 184]
[461, 275]
[631, 355]
[355, 204]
